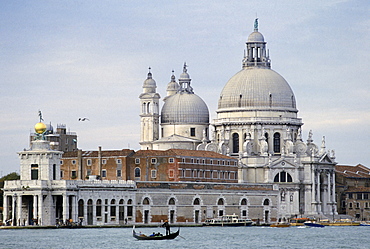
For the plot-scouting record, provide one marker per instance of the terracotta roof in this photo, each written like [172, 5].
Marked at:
[357, 189]
[183, 153]
[105, 153]
[358, 171]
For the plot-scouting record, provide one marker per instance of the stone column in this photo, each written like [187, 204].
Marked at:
[19, 210]
[333, 191]
[5, 208]
[40, 210]
[65, 207]
[318, 192]
[35, 206]
[14, 210]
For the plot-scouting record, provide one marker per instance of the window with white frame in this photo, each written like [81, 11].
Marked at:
[73, 162]
[88, 162]
[119, 161]
[119, 172]
[104, 161]
[171, 160]
[154, 160]
[137, 160]
[154, 173]
[61, 162]
[104, 173]
[171, 173]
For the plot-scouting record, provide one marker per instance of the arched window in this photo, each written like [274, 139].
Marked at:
[148, 107]
[81, 208]
[244, 202]
[113, 208]
[137, 172]
[121, 210]
[277, 142]
[196, 201]
[171, 201]
[129, 208]
[235, 143]
[283, 177]
[220, 202]
[143, 108]
[98, 207]
[266, 202]
[146, 201]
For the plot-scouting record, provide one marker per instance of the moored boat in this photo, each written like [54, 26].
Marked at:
[155, 236]
[298, 221]
[228, 220]
[312, 224]
[280, 224]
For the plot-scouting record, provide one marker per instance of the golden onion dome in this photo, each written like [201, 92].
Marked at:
[40, 128]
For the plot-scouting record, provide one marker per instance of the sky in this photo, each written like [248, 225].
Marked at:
[73, 59]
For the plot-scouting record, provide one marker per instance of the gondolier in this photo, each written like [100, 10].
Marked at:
[167, 226]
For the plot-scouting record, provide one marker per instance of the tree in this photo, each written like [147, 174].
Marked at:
[8, 177]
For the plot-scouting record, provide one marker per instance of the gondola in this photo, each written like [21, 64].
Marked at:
[158, 236]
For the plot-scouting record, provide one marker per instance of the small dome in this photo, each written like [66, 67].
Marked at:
[173, 85]
[40, 128]
[185, 108]
[149, 82]
[256, 37]
[257, 88]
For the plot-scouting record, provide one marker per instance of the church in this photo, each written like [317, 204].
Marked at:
[250, 160]
[257, 123]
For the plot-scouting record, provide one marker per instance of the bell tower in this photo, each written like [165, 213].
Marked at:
[149, 115]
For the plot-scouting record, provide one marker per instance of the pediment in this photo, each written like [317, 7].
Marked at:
[282, 163]
[326, 159]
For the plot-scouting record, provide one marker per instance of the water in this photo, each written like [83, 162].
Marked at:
[193, 237]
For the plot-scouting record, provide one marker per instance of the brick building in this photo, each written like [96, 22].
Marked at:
[353, 191]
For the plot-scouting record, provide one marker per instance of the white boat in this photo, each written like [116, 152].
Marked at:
[228, 220]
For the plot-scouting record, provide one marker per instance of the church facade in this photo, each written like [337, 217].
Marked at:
[257, 122]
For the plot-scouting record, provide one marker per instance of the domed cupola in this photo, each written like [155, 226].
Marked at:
[172, 87]
[184, 107]
[149, 85]
[256, 86]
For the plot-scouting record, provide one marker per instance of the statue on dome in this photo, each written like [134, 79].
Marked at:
[256, 24]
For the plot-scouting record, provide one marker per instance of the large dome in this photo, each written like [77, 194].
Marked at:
[255, 88]
[184, 108]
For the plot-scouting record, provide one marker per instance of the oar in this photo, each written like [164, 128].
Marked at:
[181, 237]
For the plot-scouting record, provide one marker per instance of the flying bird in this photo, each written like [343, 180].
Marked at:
[83, 119]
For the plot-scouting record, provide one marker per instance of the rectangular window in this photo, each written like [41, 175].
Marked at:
[61, 174]
[154, 173]
[61, 162]
[357, 205]
[104, 173]
[366, 205]
[154, 160]
[73, 174]
[119, 161]
[88, 172]
[119, 173]
[171, 160]
[137, 160]
[104, 161]
[350, 196]
[34, 174]
[192, 132]
[192, 160]
[88, 162]
[350, 205]
[359, 196]
[171, 173]
[366, 196]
